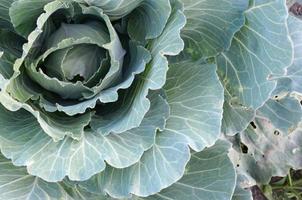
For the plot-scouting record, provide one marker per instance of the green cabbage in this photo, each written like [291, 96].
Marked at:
[146, 99]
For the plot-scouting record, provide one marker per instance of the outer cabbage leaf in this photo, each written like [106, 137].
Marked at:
[6, 61]
[11, 43]
[274, 140]
[24, 13]
[78, 193]
[211, 25]
[116, 9]
[149, 19]
[256, 50]
[293, 79]
[15, 183]
[5, 21]
[254, 58]
[11, 46]
[195, 96]
[209, 175]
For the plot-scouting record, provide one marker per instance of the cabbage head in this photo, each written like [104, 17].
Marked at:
[135, 99]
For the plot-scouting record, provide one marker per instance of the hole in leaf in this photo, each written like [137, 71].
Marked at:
[244, 148]
[276, 132]
[253, 125]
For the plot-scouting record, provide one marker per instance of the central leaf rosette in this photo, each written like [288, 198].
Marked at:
[83, 61]
[75, 61]
[85, 88]
[80, 66]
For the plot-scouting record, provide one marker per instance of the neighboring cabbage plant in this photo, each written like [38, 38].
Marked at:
[135, 99]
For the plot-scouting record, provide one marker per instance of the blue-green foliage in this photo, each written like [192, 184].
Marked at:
[147, 99]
